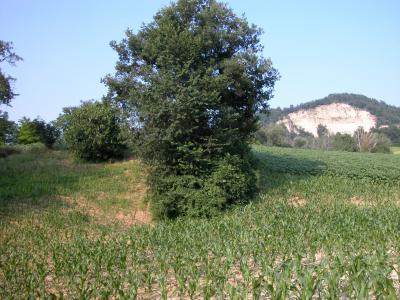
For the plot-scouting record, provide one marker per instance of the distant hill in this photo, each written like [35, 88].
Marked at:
[385, 115]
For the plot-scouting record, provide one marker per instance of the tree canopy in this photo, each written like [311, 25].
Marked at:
[7, 55]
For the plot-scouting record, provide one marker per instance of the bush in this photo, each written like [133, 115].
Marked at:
[232, 181]
[92, 131]
[273, 135]
[7, 150]
[37, 131]
[344, 142]
[383, 144]
[35, 148]
[300, 142]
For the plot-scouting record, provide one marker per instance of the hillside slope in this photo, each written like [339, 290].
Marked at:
[385, 114]
[337, 117]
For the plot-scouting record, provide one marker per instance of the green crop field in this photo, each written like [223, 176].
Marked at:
[325, 225]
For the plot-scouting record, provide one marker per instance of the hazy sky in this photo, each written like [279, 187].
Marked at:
[319, 47]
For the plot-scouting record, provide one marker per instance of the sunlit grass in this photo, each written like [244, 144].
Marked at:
[324, 225]
[395, 150]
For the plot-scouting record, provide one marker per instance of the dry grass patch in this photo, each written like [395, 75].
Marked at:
[357, 201]
[297, 201]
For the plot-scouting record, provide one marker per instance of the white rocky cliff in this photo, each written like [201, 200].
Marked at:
[337, 117]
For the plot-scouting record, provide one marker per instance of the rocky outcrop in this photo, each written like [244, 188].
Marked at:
[337, 117]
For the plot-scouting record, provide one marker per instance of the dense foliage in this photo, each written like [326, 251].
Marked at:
[383, 144]
[37, 131]
[278, 135]
[8, 129]
[273, 135]
[92, 131]
[193, 80]
[7, 55]
[344, 142]
[392, 132]
[327, 232]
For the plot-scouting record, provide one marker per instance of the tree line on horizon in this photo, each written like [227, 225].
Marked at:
[373, 141]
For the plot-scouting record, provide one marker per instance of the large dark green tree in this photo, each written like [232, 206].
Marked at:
[194, 79]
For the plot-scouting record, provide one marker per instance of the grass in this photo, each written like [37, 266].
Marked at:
[326, 224]
[395, 150]
[34, 182]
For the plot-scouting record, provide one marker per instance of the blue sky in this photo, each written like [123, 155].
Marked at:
[319, 47]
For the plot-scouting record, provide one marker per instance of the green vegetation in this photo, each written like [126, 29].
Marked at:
[393, 132]
[344, 142]
[8, 129]
[278, 135]
[326, 224]
[274, 135]
[7, 55]
[186, 96]
[92, 131]
[37, 131]
[366, 167]
[193, 80]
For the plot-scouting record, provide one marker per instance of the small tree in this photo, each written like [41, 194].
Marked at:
[276, 135]
[366, 141]
[194, 78]
[300, 142]
[322, 131]
[92, 131]
[37, 131]
[28, 132]
[8, 129]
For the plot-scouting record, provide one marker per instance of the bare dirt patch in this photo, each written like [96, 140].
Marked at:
[297, 201]
[357, 201]
[136, 214]
[135, 217]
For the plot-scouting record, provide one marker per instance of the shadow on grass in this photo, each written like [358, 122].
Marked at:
[274, 171]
